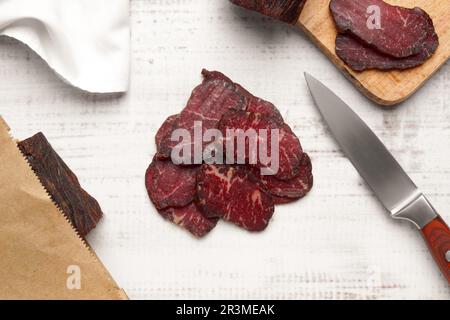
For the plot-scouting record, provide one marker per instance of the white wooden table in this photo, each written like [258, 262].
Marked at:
[335, 244]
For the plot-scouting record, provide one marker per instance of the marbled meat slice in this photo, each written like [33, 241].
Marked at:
[169, 185]
[360, 56]
[165, 129]
[401, 33]
[215, 75]
[234, 194]
[290, 151]
[265, 108]
[284, 10]
[280, 200]
[191, 219]
[291, 154]
[285, 190]
[63, 186]
[207, 104]
[254, 104]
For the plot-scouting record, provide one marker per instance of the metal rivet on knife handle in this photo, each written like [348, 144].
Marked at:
[447, 256]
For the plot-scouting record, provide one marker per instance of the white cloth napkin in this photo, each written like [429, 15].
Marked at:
[86, 42]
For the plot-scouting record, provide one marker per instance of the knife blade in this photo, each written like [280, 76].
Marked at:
[384, 175]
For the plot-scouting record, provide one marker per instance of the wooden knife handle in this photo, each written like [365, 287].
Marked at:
[437, 236]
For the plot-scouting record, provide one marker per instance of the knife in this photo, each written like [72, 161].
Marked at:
[389, 182]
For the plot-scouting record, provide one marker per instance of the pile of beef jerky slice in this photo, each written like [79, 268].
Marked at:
[82, 210]
[195, 197]
[372, 33]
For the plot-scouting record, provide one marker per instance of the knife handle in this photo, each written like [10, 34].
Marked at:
[437, 236]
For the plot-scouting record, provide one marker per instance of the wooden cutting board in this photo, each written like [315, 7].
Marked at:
[383, 87]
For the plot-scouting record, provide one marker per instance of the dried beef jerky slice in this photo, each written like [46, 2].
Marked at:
[291, 154]
[401, 33]
[191, 219]
[78, 206]
[234, 194]
[254, 104]
[285, 190]
[165, 129]
[265, 108]
[169, 185]
[360, 56]
[289, 150]
[280, 200]
[207, 104]
[284, 10]
[216, 75]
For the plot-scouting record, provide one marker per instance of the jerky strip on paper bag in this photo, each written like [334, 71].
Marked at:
[80, 208]
[42, 256]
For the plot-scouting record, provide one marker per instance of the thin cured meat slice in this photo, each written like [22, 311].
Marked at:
[234, 194]
[296, 188]
[284, 10]
[402, 30]
[165, 129]
[360, 56]
[172, 190]
[289, 150]
[265, 108]
[63, 186]
[169, 185]
[254, 104]
[291, 154]
[280, 200]
[191, 219]
[207, 104]
[215, 75]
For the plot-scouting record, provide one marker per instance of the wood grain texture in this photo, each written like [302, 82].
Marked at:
[383, 87]
[437, 236]
[337, 243]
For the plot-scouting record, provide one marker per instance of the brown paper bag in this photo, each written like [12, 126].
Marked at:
[41, 255]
